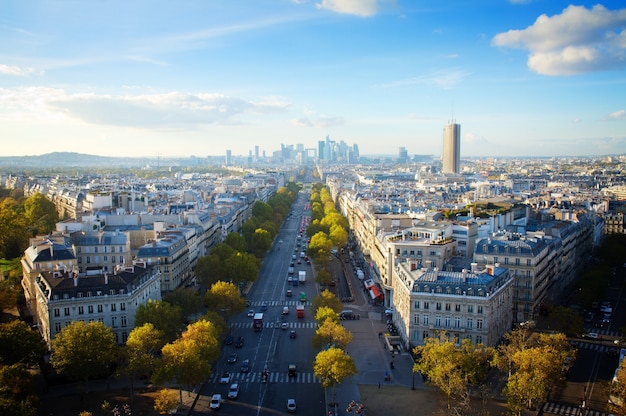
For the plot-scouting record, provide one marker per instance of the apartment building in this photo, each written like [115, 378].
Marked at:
[63, 296]
[471, 304]
[169, 253]
[532, 263]
[101, 250]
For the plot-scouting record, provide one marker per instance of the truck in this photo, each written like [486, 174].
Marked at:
[300, 311]
[258, 322]
[302, 276]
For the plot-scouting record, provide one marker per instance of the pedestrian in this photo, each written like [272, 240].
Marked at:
[379, 384]
[380, 334]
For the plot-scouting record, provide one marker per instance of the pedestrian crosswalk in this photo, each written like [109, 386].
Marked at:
[273, 377]
[280, 303]
[604, 332]
[269, 325]
[569, 410]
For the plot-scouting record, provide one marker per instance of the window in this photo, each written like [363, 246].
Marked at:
[90, 308]
[123, 320]
[517, 262]
[114, 321]
[124, 336]
[479, 324]
[448, 307]
[437, 320]
[57, 312]
[470, 308]
[57, 327]
[79, 294]
[105, 258]
[88, 259]
[438, 306]
[448, 321]
[416, 305]
[506, 260]
[416, 319]
[99, 308]
[95, 249]
[529, 262]
[470, 323]
[89, 293]
[426, 304]
[425, 319]
[457, 308]
[479, 309]
[111, 291]
[457, 322]
[113, 307]
[81, 310]
[479, 339]
[122, 306]
[101, 320]
[66, 311]
[419, 252]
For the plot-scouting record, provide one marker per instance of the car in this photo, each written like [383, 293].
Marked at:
[280, 241]
[232, 358]
[216, 401]
[229, 340]
[233, 391]
[285, 310]
[239, 342]
[308, 261]
[225, 377]
[292, 370]
[299, 261]
[289, 279]
[591, 335]
[389, 312]
[292, 333]
[289, 292]
[284, 325]
[250, 313]
[291, 405]
[264, 306]
[245, 366]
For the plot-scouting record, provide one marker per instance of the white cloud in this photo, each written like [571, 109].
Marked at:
[320, 122]
[579, 40]
[154, 111]
[617, 115]
[362, 8]
[15, 70]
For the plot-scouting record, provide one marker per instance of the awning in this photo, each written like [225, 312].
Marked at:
[369, 283]
[375, 293]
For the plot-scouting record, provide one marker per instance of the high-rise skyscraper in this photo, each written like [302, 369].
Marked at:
[451, 155]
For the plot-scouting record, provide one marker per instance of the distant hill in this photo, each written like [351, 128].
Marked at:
[73, 160]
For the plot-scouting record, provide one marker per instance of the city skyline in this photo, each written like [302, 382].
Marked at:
[523, 77]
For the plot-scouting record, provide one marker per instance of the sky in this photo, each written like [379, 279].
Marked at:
[197, 77]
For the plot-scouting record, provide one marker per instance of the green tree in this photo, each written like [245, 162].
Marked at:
[262, 211]
[242, 267]
[333, 366]
[323, 277]
[13, 233]
[260, 242]
[236, 242]
[18, 391]
[82, 351]
[225, 299]
[209, 269]
[41, 214]
[188, 299]
[28, 351]
[165, 317]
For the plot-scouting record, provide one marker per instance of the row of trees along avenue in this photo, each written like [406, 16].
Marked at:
[327, 229]
[535, 365]
[175, 340]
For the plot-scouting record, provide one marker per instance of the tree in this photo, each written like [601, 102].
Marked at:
[331, 333]
[165, 402]
[242, 267]
[28, 351]
[142, 348]
[452, 369]
[538, 371]
[188, 299]
[338, 235]
[18, 391]
[262, 211]
[566, 320]
[225, 299]
[323, 277]
[187, 360]
[260, 242]
[83, 351]
[165, 317]
[209, 269]
[13, 233]
[319, 248]
[236, 242]
[41, 214]
[327, 299]
[617, 392]
[333, 366]
[324, 313]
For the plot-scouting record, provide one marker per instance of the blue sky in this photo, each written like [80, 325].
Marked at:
[197, 77]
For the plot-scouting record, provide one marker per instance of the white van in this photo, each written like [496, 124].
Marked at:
[285, 310]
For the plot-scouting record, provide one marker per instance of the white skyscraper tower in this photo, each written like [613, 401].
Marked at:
[451, 155]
